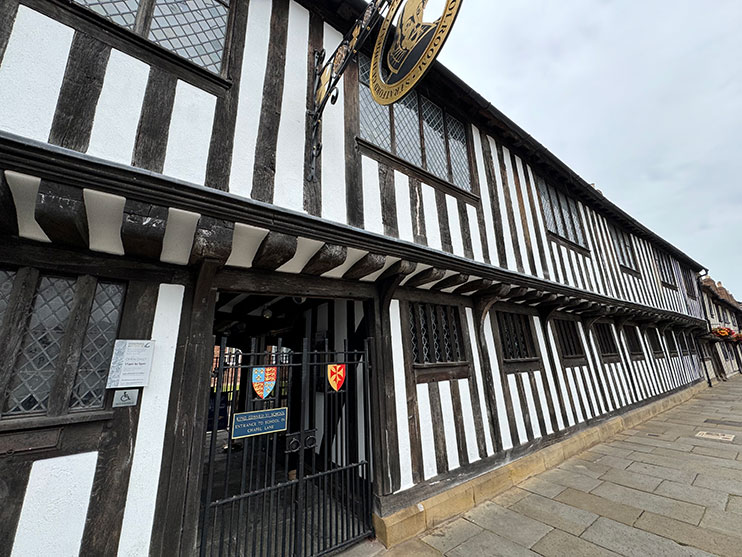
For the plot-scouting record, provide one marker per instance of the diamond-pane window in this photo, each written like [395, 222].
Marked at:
[6, 286]
[407, 130]
[375, 126]
[194, 29]
[35, 368]
[459, 155]
[435, 139]
[121, 12]
[439, 325]
[90, 383]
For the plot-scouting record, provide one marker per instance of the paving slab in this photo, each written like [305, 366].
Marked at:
[512, 495]
[632, 479]
[600, 506]
[615, 462]
[662, 472]
[554, 513]
[514, 526]
[712, 542]
[541, 486]
[726, 522]
[687, 512]
[490, 544]
[735, 504]
[560, 544]
[633, 542]
[451, 535]
[574, 477]
[413, 548]
[709, 498]
[730, 454]
[712, 481]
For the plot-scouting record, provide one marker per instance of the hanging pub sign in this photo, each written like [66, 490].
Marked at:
[407, 46]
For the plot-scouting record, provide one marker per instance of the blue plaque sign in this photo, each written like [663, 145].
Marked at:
[247, 424]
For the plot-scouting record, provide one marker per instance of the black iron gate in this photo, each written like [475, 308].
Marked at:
[304, 491]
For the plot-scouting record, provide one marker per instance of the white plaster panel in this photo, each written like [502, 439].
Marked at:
[289, 178]
[542, 400]
[105, 213]
[334, 205]
[432, 227]
[119, 107]
[189, 137]
[449, 427]
[562, 374]
[372, 220]
[25, 189]
[467, 411]
[484, 192]
[31, 74]
[513, 188]
[139, 513]
[246, 240]
[509, 262]
[55, 506]
[427, 440]
[520, 423]
[532, 411]
[476, 237]
[250, 97]
[454, 224]
[404, 208]
[400, 398]
[179, 233]
[305, 250]
[549, 373]
[575, 395]
[527, 193]
[502, 415]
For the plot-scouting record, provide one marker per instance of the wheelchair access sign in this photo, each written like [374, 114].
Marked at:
[261, 422]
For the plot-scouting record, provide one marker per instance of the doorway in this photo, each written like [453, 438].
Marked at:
[287, 456]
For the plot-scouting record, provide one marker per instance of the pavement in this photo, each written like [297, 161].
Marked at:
[655, 490]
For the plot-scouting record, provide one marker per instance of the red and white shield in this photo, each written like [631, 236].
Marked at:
[336, 375]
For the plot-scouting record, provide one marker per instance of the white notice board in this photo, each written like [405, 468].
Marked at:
[130, 364]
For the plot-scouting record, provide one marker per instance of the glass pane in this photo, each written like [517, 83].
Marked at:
[579, 238]
[407, 130]
[375, 126]
[6, 286]
[194, 29]
[413, 335]
[121, 12]
[546, 206]
[569, 227]
[435, 139]
[558, 215]
[364, 69]
[459, 153]
[36, 365]
[424, 332]
[97, 347]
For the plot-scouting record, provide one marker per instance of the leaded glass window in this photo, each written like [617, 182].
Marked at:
[53, 356]
[416, 130]
[664, 264]
[42, 339]
[633, 341]
[624, 248]
[516, 336]
[121, 12]
[434, 334]
[561, 214]
[90, 383]
[569, 339]
[193, 29]
[606, 340]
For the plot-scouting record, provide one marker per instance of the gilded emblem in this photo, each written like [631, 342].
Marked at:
[404, 53]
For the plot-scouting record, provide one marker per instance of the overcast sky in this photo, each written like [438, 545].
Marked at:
[641, 97]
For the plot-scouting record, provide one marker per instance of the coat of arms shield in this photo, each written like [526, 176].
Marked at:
[264, 380]
[336, 375]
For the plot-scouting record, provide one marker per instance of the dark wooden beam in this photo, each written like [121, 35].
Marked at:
[366, 265]
[275, 250]
[450, 282]
[213, 240]
[426, 277]
[473, 286]
[60, 211]
[402, 267]
[326, 259]
[143, 229]
[8, 217]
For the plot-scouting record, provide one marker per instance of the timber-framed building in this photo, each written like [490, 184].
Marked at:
[444, 298]
[721, 356]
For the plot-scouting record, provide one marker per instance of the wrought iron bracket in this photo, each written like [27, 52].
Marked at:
[328, 72]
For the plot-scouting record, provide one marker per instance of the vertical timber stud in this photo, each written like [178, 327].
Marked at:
[384, 417]
[177, 512]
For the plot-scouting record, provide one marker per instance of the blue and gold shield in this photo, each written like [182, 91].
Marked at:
[264, 380]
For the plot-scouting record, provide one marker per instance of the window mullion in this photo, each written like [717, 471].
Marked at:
[423, 155]
[14, 324]
[71, 346]
[144, 17]
[447, 142]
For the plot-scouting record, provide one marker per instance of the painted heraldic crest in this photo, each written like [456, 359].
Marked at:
[264, 380]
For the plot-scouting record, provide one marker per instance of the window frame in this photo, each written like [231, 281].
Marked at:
[665, 269]
[672, 344]
[551, 197]
[429, 372]
[85, 20]
[655, 342]
[568, 339]
[607, 327]
[690, 282]
[533, 361]
[423, 171]
[625, 250]
[634, 343]
[13, 330]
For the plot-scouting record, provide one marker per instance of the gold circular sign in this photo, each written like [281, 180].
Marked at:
[403, 55]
